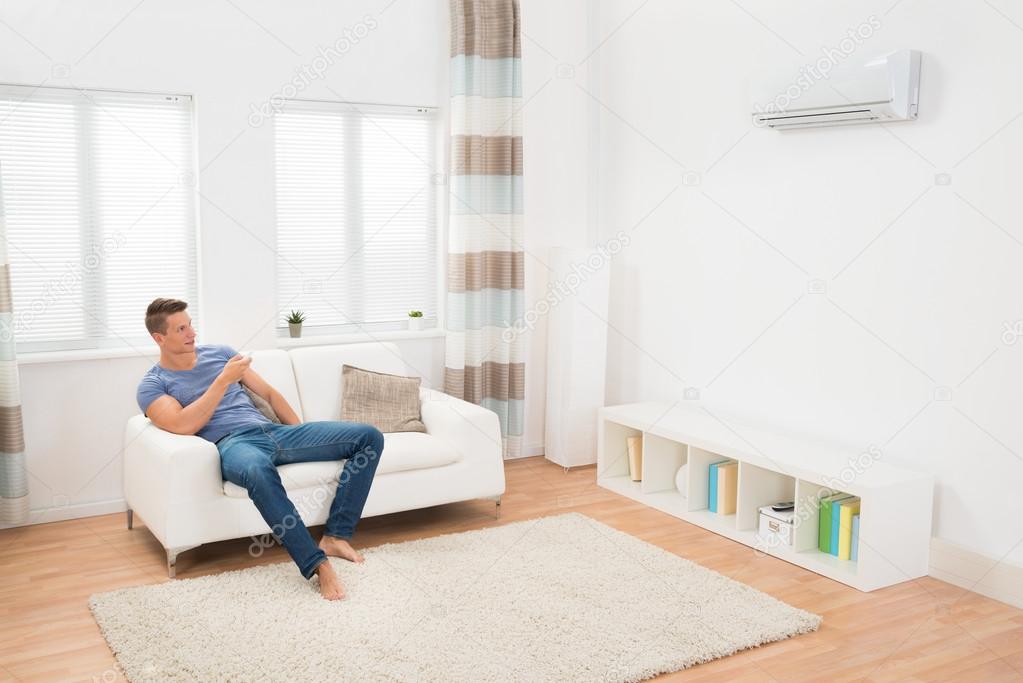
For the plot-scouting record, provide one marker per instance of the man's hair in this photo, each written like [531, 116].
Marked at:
[156, 314]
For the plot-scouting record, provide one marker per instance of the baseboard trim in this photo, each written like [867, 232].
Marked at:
[976, 572]
[66, 512]
[529, 451]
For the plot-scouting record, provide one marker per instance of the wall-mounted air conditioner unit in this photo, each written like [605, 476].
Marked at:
[881, 90]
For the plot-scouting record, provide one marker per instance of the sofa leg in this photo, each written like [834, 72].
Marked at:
[497, 507]
[172, 559]
[130, 518]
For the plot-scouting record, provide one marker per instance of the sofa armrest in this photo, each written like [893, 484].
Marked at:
[472, 430]
[162, 470]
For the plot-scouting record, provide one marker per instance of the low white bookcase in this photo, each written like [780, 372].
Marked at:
[896, 503]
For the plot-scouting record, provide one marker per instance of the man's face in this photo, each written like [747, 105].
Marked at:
[180, 335]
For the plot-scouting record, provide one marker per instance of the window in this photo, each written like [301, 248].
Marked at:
[357, 244]
[97, 191]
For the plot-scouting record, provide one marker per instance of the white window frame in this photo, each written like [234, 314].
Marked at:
[318, 334]
[105, 344]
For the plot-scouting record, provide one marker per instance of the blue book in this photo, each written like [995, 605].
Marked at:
[712, 493]
[712, 483]
[855, 537]
[836, 518]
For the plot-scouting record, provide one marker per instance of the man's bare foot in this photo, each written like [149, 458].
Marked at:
[330, 586]
[339, 547]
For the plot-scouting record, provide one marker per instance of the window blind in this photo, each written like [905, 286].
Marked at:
[356, 215]
[98, 195]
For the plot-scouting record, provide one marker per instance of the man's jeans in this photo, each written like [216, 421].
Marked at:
[249, 457]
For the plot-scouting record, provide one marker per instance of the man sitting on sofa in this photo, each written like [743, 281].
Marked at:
[195, 390]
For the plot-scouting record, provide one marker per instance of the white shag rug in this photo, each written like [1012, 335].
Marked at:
[562, 598]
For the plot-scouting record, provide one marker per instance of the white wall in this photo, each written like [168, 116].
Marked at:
[714, 291]
[74, 412]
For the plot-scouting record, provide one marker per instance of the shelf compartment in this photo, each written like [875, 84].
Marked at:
[661, 460]
[808, 497]
[665, 501]
[759, 487]
[698, 482]
[614, 451]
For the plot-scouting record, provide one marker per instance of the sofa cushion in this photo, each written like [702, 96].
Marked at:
[318, 373]
[388, 402]
[403, 451]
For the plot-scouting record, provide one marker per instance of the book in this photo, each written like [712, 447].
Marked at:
[712, 488]
[836, 519]
[824, 522]
[847, 508]
[635, 448]
[728, 483]
[712, 485]
[855, 542]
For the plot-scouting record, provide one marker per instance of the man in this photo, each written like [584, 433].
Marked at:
[195, 390]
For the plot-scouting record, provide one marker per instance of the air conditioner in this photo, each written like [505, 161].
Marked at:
[881, 90]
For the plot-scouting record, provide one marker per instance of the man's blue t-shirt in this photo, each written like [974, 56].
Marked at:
[235, 409]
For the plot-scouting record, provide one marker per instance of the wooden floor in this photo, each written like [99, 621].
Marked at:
[923, 630]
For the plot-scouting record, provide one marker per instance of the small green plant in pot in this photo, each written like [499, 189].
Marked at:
[295, 321]
[415, 320]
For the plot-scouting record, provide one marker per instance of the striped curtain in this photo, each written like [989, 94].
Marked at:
[484, 347]
[13, 474]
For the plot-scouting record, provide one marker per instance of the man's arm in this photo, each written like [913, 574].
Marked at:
[167, 414]
[276, 400]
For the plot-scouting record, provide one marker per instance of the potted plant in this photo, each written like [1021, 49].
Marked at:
[415, 320]
[295, 323]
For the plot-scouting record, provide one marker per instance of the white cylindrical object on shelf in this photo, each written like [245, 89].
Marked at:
[681, 479]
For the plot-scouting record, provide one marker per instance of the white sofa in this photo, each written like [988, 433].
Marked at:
[173, 482]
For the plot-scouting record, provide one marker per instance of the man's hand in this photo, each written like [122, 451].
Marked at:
[235, 368]
[168, 414]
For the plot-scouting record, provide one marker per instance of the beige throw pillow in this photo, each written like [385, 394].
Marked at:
[388, 402]
[262, 405]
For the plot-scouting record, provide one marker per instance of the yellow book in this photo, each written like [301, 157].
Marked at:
[845, 526]
[728, 483]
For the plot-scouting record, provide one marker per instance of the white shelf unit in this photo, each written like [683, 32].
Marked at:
[896, 503]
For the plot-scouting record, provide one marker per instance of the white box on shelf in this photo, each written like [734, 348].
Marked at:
[775, 527]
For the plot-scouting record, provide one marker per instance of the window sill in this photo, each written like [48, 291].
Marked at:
[357, 337]
[36, 357]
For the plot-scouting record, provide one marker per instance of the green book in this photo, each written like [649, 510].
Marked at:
[824, 521]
